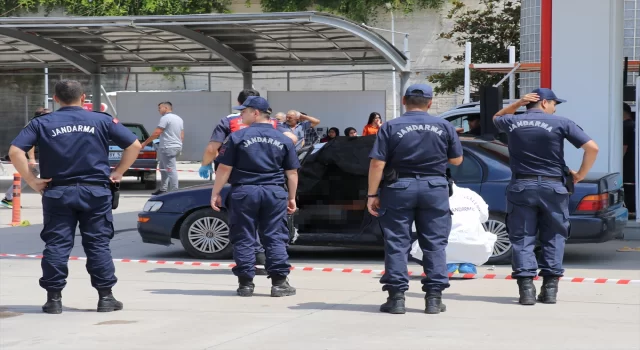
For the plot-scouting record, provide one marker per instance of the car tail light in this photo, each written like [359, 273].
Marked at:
[147, 155]
[594, 202]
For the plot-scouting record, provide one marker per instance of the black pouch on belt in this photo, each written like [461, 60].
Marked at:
[568, 179]
[115, 194]
[450, 181]
[389, 176]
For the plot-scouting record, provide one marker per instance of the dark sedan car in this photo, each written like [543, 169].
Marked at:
[147, 159]
[332, 209]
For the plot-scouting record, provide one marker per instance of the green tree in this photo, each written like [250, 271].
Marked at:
[491, 29]
[115, 7]
[357, 10]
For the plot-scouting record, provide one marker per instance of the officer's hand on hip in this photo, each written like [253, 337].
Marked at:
[39, 185]
[291, 206]
[115, 176]
[577, 177]
[373, 204]
[205, 171]
[216, 202]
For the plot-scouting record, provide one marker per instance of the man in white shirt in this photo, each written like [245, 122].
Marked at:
[171, 132]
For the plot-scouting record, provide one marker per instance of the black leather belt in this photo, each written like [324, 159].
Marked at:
[535, 177]
[413, 176]
[79, 183]
[272, 184]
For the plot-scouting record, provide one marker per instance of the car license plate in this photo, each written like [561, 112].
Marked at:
[115, 155]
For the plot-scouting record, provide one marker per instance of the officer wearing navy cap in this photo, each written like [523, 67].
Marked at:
[75, 187]
[538, 195]
[416, 147]
[256, 161]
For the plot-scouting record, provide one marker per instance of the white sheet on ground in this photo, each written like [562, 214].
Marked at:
[468, 240]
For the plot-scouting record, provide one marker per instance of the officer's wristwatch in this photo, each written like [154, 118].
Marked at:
[372, 195]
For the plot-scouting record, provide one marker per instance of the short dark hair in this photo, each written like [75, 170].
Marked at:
[417, 101]
[68, 91]
[532, 105]
[242, 96]
[166, 103]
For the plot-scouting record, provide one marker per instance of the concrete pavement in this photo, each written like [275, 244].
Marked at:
[181, 307]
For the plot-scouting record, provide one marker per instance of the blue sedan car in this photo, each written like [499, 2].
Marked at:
[332, 203]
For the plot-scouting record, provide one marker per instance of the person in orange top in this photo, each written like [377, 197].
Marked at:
[373, 125]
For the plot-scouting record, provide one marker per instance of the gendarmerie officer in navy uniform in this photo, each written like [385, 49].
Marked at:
[255, 161]
[416, 147]
[538, 195]
[75, 187]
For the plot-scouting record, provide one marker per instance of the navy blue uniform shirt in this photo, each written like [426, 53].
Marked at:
[536, 141]
[417, 143]
[74, 144]
[259, 155]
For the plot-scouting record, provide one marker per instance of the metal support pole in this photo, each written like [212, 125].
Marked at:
[46, 88]
[393, 74]
[108, 101]
[247, 80]
[136, 82]
[512, 78]
[288, 81]
[209, 84]
[96, 87]
[364, 82]
[26, 109]
[467, 73]
[404, 85]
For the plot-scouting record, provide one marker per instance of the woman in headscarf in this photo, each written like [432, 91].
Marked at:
[331, 134]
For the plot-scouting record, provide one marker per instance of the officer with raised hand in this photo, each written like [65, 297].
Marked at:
[538, 195]
[75, 187]
[226, 126]
[255, 161]
[416, 148]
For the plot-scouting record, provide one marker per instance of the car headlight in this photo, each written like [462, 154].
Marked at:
[152, 206]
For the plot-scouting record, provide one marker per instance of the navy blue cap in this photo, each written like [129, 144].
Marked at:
[255, 102]
[420, 90]
[547, 94]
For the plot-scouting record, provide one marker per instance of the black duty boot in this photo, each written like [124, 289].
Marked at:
[246, 287]
[280, 287]
[433, 303]
[394, 304]
[106, 301]
[54, 303]
[549, 290]
[527, 291]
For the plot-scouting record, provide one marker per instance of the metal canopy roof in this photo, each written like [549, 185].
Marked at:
[237, 40]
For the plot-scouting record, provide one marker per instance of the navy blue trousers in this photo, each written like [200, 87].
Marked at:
[263, 209]
[64, 207]
[537, 206]
[425, 200]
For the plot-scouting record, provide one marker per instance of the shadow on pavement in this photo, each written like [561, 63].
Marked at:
[205, 271]
[200, 292]
[460, 297]
[37, 309]
[369, 308]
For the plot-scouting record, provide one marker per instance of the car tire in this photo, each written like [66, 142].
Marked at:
[149, 184]
[204, 234]
[502, 248]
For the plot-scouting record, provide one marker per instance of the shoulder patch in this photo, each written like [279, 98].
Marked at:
[115, 120]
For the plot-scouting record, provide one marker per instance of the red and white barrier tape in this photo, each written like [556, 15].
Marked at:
[346, 270]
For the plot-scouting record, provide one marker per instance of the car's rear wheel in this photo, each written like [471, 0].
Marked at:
[149, 180]
[502, 248]
[204, 234]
